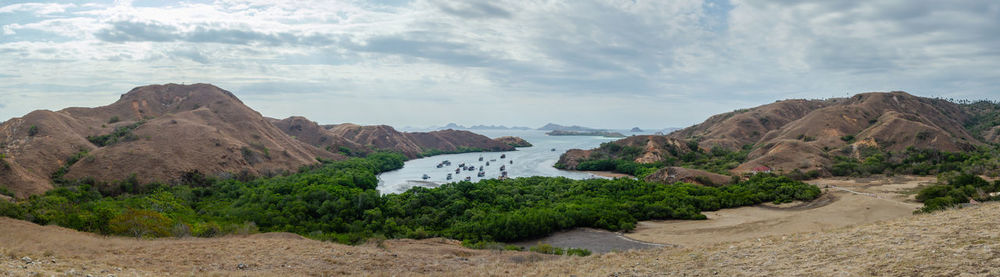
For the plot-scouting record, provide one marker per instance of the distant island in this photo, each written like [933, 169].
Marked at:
[482, 127]
[585, 133]
[575, 128]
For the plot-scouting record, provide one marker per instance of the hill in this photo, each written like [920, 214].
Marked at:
[810, 135]
[357, 140]
[575, 128]
[154, 133]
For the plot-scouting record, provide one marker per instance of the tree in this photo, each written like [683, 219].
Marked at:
[139, 223]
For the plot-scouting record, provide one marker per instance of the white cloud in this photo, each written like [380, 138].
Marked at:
[589, 60]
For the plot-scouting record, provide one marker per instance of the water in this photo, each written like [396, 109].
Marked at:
[527, 161]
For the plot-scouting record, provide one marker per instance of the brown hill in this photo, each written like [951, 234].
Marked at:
[365, 139]
[805, 134]
[177, 129]
[514, 141]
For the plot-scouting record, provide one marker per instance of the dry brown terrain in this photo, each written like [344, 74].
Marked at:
[953, 242]
[844, 202]
[804, 134]
[365, 139]
[187, 127]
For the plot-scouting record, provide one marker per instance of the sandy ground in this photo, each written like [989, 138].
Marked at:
[596, 240]
[845, 202]
[608, 174]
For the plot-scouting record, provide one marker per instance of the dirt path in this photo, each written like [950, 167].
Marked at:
[595, 240]
[845, 202]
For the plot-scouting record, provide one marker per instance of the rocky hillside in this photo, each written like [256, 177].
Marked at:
[355, 139]
[156, 133]
[805, 134]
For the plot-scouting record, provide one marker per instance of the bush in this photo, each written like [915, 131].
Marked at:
[140, 223]
[113, 119]
[32, 131]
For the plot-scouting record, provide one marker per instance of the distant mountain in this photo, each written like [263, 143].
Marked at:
[635, 130]
[352, 139]
[575, 128]
[480, 127]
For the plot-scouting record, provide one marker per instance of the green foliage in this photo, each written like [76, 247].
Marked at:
[120, 134]
[113, 119]
[58, 174]
[984, 160]
[546, 248]
[613, 157]
[3, 162]
[954, 189]
[140, 223]
[847, 138]
[338, 201]
[32, 131]
[6, 191]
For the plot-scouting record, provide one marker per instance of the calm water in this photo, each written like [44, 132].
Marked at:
[527, 161]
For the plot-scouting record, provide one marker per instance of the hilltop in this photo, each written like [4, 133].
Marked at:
[172, 133]
[152, 133]
[809, 135]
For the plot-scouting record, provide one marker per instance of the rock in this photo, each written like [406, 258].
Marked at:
[242, 267]
[26, 260]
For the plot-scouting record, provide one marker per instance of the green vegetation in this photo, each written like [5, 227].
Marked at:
[120, 134]
[3, 162]
[611, 156]
[57, 176]
[32, 131]
[338, 201]
[985, 116]
[983, 160]
[5, 191]
[545, 248]
[957, 188]
[113, 119]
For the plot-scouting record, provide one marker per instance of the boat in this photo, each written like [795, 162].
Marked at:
[487, 163]
[503, 168]
[481, 174]
[456, 171]
[449, 176]
[425, 177]
[480, 158]
[553, 150]
[503, 156]
[468, 178]
[440, 165]
[480, 168]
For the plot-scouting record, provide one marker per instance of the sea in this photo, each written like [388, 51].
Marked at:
[536, 160]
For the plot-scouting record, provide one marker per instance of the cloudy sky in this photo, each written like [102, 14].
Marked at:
[609, 64]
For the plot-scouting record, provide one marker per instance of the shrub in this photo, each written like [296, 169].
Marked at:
[32, 131]
[578, 252]
[113, 119]
[140, 223]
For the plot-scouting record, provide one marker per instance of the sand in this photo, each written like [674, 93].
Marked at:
[844, 203]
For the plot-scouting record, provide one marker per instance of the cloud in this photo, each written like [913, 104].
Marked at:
[123, 31]
[473, 10]
[446, 54]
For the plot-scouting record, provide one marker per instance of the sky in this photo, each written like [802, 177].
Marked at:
[604, 64]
